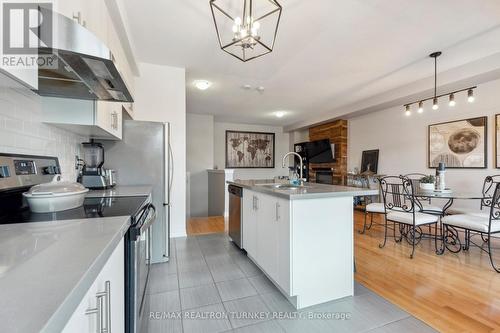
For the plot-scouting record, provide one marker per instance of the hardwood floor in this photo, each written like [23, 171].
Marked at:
[205, 225]
[452, 292]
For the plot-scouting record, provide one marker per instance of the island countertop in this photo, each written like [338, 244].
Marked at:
[309, 191]
[47, 267]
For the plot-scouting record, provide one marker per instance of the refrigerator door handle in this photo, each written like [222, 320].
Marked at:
[171, 176]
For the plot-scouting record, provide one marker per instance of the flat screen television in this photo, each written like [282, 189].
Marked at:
[321, 151]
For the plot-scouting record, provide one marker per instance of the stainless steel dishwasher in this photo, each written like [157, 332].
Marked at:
[235, 196]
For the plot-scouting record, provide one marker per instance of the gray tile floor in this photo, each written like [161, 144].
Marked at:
[209, 285]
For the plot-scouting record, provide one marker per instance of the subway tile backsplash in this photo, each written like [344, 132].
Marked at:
[22, 130]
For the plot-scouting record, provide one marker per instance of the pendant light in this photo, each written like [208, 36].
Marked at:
[246, 29]
[435, 98]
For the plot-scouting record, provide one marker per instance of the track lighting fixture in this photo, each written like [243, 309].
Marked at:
[452, 102]
[435, 104]
[435, 98]
[408, 111]
[420, 107]
[470, 96]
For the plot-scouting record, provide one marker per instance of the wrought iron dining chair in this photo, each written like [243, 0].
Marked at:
[371, 209]
[489, 185]
[485, 225]
[488, 190]
[400, 208]
[424, 203]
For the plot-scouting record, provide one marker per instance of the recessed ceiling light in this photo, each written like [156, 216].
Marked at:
[202, 84]
[260, 89]
[247, 87]
[280, 114]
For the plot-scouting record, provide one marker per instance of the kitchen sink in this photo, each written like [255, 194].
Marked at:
[285, 186]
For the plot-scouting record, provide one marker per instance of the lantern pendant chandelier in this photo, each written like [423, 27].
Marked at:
[435, 97]
[246, 29]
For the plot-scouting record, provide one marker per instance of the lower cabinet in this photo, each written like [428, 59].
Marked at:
[103, 307]
[266, 235]
[249, 221]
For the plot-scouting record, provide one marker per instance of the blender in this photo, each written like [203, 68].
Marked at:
[93, 175]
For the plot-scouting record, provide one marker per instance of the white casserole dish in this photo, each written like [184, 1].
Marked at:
[55, 196]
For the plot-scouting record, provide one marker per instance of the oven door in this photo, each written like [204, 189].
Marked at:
[139, 263]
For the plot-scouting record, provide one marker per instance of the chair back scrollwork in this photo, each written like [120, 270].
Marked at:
[489, 188]
[397, 193]
[495, 205]
[415, 180]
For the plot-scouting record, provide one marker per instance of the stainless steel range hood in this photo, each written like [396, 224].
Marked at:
[85, 66]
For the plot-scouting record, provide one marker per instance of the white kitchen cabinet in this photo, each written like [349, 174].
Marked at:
[89, 13]
[120, 60]
[96, 119]
[110, 117]
[73, 9]
[284, 249]
[305, 246]
[106, 298]
[249, 220]
[266, 234]
[267, 229]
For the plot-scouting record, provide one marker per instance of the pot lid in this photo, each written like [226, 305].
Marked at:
[58, 186]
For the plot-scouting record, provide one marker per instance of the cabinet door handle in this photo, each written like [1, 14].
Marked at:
[114, 121]
[98, 312]
[256, 203]
[78, 17]
[106, 294]
[277, 211]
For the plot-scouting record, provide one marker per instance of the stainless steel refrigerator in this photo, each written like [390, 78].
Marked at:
[144, 156]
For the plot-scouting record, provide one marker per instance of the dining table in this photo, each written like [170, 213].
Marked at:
[449, 237]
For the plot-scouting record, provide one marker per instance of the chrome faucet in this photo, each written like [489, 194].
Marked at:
[302, 180]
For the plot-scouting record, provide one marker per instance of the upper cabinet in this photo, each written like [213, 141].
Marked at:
[91, 14]
[98, 119]
[94, 15]
[95, 119]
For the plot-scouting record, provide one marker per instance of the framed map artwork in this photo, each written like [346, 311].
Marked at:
[249, 150]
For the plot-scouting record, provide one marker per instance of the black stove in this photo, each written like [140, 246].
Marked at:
[19, 172]
[92, 208]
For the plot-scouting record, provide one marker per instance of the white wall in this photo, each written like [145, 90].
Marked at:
[200, 157]
[160, 95]
[205, 137]
[281, 142]
[298, 137]
[22, 132]
[402, 140]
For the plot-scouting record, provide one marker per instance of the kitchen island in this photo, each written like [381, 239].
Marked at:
[301, 237]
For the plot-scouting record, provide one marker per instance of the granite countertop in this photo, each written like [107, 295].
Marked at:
[122, 191]
[309, 191]
[46, 269]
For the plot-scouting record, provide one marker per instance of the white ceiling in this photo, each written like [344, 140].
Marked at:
[328, 53]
